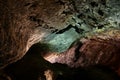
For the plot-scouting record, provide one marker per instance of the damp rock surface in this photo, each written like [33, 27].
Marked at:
[59, 22]
[102, 49]
[34, 67]
[26, 22]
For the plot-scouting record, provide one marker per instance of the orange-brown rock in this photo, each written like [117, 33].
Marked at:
[100, 49]
[25, 22]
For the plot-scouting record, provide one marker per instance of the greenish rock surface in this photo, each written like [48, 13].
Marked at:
[92, 17]
[61, 42]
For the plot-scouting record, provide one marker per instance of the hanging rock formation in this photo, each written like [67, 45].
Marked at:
[25, 22]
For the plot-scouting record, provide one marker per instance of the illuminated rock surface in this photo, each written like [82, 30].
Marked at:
[25, 22]
[33, 67]
[93, 26]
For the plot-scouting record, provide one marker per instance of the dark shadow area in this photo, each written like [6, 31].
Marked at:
[90, 73]
[33, 65]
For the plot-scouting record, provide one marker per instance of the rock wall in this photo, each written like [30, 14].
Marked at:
[94, 22]
[25, 22]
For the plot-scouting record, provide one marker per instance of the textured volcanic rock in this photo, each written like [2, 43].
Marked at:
[25, 22]
[100, 49]
[33, 67]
